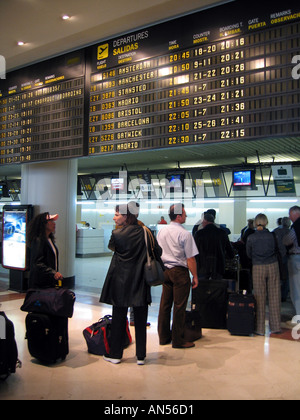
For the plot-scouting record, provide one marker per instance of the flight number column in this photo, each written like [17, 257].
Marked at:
[102, 107]
[123, 108]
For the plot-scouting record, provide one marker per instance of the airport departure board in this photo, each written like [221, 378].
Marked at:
[229, 73]
[42, 111]
[219, 75]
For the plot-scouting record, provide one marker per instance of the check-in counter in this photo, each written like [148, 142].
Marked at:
[90, 243]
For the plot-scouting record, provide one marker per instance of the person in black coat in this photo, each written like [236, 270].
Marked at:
[125, 285]
[43, 252]
[214, 246]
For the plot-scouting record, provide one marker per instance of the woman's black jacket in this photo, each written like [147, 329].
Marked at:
[125, 284]
[42, 264]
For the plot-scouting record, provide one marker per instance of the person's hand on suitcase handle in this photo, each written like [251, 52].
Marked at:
[58, 277]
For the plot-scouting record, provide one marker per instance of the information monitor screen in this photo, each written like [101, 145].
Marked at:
[14, 229]
[243, 179]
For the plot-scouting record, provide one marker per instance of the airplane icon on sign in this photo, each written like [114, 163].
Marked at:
[102, 52]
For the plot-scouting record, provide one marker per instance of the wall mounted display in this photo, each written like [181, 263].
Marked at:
[224, 74]
[42, 111]
[14, 230]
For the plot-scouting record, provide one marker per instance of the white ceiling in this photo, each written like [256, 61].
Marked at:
[39, 24]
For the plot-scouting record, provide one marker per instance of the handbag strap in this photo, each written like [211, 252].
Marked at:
[146, 241]
[276, 245]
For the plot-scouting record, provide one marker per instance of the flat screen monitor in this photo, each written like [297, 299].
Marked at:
[117, 184]
[243, 179]
[14, 229]
[175, 182]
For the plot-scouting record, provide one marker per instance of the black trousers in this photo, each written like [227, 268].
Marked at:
[118, 327]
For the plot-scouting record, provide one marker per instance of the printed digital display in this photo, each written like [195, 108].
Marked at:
[242, 178]
[42, 112]
[227, 76]
[229, 73]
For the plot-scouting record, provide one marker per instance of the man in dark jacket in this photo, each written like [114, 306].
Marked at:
[292, 241]
[214, 246]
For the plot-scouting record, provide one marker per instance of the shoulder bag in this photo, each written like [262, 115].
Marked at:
[279, 256]
[154, 273]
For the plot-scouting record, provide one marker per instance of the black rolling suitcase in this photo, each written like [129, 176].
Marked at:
[241, 314]
[8, 347]
[47, 337]
[210, 298]
[192, 327]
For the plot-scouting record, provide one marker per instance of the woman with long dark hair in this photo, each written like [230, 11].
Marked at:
[44, 274]
[43, 252]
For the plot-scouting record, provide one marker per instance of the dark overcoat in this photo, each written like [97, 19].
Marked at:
[124, 283]
[42, 264]
[214, 247]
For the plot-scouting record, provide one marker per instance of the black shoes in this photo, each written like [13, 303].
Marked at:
[186, 345]
[132, 324]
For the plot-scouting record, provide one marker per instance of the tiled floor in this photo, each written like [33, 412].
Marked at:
[219, 367]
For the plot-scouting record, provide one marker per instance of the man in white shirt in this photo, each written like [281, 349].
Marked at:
[179, 251]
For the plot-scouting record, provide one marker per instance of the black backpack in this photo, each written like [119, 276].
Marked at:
[8, 347]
